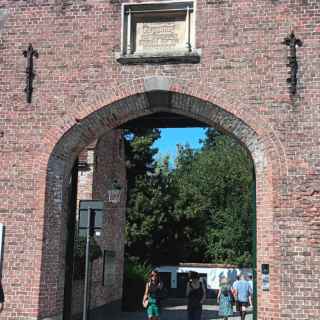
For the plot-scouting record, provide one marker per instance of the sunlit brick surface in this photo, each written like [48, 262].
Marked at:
[81, 91]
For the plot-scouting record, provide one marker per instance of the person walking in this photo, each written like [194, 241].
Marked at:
[250, 280]
[225, 299]
[152, 294]
[196, 295]
[243, 295]
[235, 283]
[234, 292]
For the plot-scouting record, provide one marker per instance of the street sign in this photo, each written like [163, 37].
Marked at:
[90, 220]
[96, 208]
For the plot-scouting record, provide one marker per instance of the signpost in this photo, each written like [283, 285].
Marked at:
[90, 219]
[90, 224]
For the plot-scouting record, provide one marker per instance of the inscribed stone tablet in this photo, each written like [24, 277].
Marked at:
[160, 36]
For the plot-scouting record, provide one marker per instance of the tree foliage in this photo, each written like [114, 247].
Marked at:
[140, 153]
[149, 203]
[201, 211]
[215, 197]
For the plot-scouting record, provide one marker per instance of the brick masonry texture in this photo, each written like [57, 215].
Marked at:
[81, 92]
[110, 166]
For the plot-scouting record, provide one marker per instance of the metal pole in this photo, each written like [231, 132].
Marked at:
[86, 273]
[254, 246]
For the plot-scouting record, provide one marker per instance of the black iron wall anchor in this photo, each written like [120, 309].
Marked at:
[293, 42]
[29, 54]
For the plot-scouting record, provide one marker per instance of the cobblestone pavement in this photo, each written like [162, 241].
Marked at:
[179, 312]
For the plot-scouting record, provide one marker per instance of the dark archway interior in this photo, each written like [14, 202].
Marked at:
[162, 100]
[164, 120]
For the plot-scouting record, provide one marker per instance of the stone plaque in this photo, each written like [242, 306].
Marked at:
[160, 36]
[159, 30]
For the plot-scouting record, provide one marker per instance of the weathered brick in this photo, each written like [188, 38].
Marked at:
[81, 92]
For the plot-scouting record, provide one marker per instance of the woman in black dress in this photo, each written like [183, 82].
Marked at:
[196, 295]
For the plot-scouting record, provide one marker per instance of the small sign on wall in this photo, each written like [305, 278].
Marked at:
[265, 277]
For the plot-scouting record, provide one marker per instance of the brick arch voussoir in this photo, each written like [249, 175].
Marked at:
[231, 103]
[227, 101]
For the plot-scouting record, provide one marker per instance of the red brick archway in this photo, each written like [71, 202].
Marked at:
[81, 90]
[128, 102]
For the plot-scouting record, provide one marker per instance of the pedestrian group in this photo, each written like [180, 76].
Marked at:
[239, 293]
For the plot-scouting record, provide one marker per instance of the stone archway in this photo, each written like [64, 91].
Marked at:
[130, 103]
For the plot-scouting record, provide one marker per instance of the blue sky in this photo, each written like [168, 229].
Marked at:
[167, 144]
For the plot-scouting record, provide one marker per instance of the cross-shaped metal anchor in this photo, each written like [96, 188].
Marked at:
[29, 54]
[293, 42]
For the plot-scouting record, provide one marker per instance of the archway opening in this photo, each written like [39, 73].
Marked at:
[101, 127]
[191, 212]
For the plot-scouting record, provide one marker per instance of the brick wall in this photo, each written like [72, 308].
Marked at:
[85, 175]
[110, 166]
[80, 92]
[99, 167]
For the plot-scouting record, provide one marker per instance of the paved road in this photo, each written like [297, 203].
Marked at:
[178, 313]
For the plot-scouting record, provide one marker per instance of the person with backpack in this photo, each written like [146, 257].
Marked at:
[196, 295]
[225, 299]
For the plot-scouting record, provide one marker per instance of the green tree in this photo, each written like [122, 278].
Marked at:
[214, 192]
[140, 152]
[149, 202]
[201, 211]
[149, 218]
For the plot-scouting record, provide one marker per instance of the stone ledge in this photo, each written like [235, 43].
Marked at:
[170, 58]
